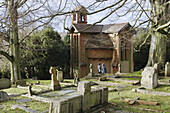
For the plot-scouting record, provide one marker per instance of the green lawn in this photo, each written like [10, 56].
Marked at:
[164, 104]
[36, 105]
[114, 97]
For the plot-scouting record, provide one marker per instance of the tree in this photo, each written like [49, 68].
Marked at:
[41, 50]
[18, 15]
[160, 21]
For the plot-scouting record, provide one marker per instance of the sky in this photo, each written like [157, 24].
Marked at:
[57, 6]
[130, 17]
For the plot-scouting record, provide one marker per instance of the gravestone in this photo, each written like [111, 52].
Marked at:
[5, 83]
[34, 78]
[54, 82]
[76, 77]
[60, 76]
[91, 71]
[3, 96]
[149, 78]
[167, 69]
[20, 82]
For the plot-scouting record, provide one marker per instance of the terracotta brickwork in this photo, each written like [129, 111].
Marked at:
[109, 44]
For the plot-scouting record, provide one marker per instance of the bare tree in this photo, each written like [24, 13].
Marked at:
[19, 15]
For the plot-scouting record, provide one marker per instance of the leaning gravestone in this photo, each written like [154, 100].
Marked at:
[167, 69]
[149, 78]
[3, 96]
[5, 83]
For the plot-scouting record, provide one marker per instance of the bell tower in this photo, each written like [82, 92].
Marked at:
[79, 15]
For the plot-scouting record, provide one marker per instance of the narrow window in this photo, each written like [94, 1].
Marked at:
[74, 17]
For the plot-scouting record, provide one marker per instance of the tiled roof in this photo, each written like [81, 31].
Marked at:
[81, 9]
[99, 42]
[114, 28]
[88, 28]
[109, 28]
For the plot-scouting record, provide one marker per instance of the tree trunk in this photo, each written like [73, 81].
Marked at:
[159, 16]
[14, 41]
[157, 52]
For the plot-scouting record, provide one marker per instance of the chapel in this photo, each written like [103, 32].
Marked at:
[111, 44]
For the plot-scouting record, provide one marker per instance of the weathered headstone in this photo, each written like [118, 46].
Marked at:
[20, 82]
[3, 96]
[91, 70]
[60, 76]
[76, 77]
[149, 78]
[5, 83]
[167, 69]
[54, 82]
[34, 78]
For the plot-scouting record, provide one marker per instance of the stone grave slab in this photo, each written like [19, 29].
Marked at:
[23, 107]
[23, 100]
[58, 93]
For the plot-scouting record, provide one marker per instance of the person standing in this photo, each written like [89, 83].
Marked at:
[103, 69]
[99, 68]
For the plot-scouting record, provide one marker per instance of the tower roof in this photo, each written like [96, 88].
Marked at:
[80, 9]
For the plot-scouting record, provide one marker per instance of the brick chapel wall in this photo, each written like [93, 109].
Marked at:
[96, 56]
[84, 60]
[129, 51]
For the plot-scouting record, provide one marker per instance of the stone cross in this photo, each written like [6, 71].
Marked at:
[54, 82]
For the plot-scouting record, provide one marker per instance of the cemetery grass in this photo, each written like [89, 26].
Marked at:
[114, 97]
[36, 105]
[118, 99]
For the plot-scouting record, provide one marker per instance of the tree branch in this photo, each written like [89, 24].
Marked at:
[106, 8]
[21, 3]
[163, 26]
[140, 46]
[105, 16]
[6, 55]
